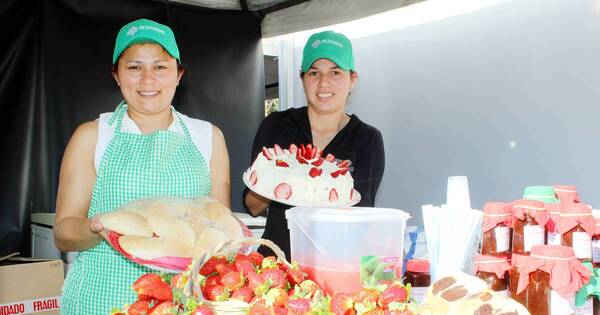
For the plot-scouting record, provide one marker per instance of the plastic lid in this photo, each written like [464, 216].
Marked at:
[541, 193]
[343, 215]
[417, 265]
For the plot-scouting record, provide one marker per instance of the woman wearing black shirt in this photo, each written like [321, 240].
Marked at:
[328, 75]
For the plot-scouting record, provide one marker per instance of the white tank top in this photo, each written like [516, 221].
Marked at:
[200, 131]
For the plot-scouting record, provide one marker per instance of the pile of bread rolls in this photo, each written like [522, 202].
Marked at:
[171, 226]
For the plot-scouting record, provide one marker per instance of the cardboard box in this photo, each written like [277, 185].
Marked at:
[30, 286]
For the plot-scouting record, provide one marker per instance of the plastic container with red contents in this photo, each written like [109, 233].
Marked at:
[493, 270]
[577, 227]
[551, 276]
[417, 274]
[529, 225]
[566, 193]
[497, 229]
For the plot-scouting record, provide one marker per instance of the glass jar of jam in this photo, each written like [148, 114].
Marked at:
[497, 229]
[417, 274]
[516, 262]
[566, 193]
[577, 227]
[493, 270]
[545, 297]
[529, 221]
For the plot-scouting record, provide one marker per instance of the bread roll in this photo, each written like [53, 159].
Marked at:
[207, 240]
[143, 247]
[126, 223]
[172, 227]
[175, 248]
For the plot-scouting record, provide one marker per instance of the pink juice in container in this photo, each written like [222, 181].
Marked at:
[341, 248]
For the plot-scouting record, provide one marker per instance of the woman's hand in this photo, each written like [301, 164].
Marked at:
[97, 227]
[256, 203]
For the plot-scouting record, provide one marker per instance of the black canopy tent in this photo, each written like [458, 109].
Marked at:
[54, 75]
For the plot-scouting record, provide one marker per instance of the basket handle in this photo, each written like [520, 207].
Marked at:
[225, 248]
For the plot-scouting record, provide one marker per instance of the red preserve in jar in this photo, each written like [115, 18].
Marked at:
[577, 227]
[529, 221]
[493, 270]
[551, 276]
[497, 229]
[417, 274]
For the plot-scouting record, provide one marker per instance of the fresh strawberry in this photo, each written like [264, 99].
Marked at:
[277, 297]
[300, 157]
[203, 310]
[212, 280]
[343, 164]
[253, 178]
[278, 150]
[318, 162]
[281, 163]
[314, 172]
[302, 150]
[256, 258]
[223, 269]
[293, 148]
[216, 293]
[291, 292]
[295, 276]
[333, 195]
[139, 307]
[267, 154]
[283, 191]
[342, 304]
[179, 281]
[309, 288]
[257, 284]
[344, 170]
[329, 158]
[280, 310]
[152, 288]
[233, 280]
[394, 293]
[276, 277]
[211, 265]
[244, 266]
[244, 294]
[300, 306]
[335, 173]
[259, 307]
[163, 308]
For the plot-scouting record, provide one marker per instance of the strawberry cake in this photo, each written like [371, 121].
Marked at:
[302, 176]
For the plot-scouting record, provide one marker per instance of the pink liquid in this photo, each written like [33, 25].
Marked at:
[334, 280]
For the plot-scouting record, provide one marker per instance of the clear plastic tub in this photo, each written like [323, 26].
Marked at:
[340, 247]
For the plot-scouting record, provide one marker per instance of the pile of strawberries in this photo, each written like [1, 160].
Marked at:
[387, 298]
[269, 286]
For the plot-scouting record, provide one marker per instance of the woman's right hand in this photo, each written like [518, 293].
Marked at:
[97, 227]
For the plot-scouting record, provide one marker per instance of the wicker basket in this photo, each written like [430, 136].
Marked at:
[232, 307]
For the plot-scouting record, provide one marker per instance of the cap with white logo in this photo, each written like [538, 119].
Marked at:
[328, 45]
[144, 30]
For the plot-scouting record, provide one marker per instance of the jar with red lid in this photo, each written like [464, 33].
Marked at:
[577, 227]
[566, 193]
[496, 228]
[417, 274]
[551, 275]
[493, 270]
[529, 225]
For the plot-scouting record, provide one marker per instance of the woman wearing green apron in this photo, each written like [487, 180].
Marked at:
[144, 148]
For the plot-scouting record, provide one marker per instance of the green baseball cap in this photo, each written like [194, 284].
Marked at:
[144, 30]
[329, 45]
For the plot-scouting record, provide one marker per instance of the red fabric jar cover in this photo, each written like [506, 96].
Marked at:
[554, 210]
[573, 214]
[567, 273]
[495, 213]
[498, 265]
[597, 232]
[566, 193]
[535, 208]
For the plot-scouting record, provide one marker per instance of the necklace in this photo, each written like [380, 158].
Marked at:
[327, 139]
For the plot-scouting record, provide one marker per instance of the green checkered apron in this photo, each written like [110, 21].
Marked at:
[163, 163]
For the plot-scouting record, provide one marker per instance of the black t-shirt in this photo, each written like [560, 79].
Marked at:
[358, 142]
